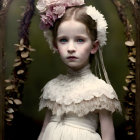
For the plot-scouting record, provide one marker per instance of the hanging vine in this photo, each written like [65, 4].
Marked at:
[15, 84]
[130, 79]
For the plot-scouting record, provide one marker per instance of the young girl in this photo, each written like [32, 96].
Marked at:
[76, 101]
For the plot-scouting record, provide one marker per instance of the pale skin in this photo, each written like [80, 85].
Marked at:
[75, 46]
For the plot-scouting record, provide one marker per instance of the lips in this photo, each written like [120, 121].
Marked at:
[72, 57]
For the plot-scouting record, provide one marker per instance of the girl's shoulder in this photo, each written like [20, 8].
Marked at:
[81, 96]
[56, 79]
[90, 85]
[90, 81]
[54, 82]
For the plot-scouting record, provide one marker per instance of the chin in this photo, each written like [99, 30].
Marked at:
[75, 66]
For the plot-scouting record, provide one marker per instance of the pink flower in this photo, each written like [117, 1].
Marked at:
[48, 18]
[59, 10]
[53, 2]
[69, 2]
[53, 9]
[52, 14]
[43, 5]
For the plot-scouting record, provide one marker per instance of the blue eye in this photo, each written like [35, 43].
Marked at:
[80, 40]
[63, 40]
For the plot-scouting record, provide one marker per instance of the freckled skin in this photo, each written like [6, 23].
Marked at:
[73, 40]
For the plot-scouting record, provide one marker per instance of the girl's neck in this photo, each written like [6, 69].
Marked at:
[80, 72]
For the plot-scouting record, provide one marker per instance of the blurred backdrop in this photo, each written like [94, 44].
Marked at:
[28, 120]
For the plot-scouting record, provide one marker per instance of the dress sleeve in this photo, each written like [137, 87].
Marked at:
[43, 100]
[106, 98]
[107, 103]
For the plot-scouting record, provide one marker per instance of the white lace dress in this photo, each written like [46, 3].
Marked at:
[74, 100]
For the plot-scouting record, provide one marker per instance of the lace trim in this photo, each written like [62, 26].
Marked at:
[64, 90]
[82, 108]
[79, 92]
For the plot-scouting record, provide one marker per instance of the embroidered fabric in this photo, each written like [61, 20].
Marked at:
[79, 92]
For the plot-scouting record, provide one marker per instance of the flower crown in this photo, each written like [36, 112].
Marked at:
[51, 10]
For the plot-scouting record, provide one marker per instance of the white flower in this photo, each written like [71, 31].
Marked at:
[41, 6]
[59, 10]
[101, 24]
[76, 2]
[53, 2]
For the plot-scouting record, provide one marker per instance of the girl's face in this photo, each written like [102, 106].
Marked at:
[74, 44]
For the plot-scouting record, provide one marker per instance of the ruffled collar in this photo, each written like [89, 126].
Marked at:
[80, 92]
[79, 73]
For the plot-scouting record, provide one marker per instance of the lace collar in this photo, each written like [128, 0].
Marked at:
[80, 92]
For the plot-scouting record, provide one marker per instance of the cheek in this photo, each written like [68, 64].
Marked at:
[61, 51]
[85, 51]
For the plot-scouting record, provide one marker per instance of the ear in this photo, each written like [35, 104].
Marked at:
[95, 47]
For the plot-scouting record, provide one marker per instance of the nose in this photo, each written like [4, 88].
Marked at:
[71, 47]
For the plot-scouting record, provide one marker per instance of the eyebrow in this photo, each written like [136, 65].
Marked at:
[80, 35]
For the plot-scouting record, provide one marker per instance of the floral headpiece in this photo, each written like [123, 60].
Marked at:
[51, 10]
[101, 24]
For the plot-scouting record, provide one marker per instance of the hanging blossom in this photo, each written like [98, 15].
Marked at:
[51, 10]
